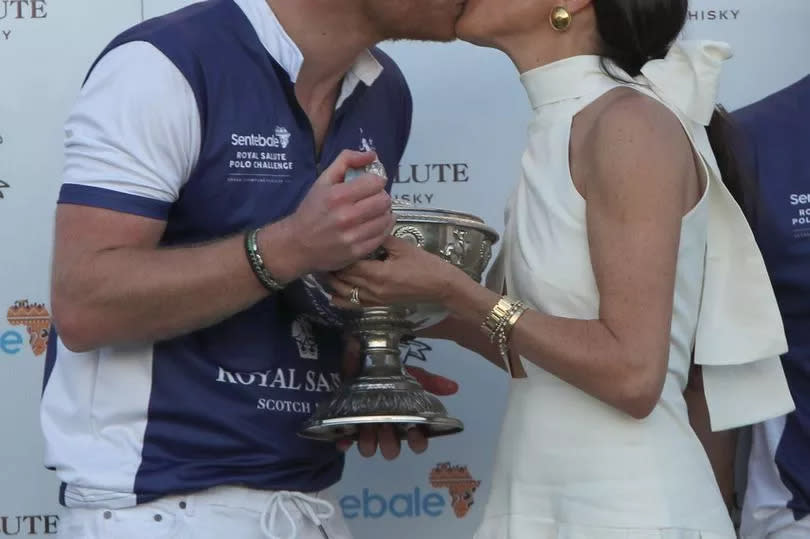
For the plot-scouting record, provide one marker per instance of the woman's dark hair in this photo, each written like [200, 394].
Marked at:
[633, 32]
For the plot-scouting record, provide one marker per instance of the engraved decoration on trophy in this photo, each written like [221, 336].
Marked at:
[410, 233]
[384, 392]
[456, 251]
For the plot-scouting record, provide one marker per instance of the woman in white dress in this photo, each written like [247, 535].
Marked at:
[624, 256]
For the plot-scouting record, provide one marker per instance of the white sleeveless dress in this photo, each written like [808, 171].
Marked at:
[568, 465]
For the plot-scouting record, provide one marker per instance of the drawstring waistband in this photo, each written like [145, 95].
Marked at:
[315, 509]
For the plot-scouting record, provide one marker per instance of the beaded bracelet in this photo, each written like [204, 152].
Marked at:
[257, 263]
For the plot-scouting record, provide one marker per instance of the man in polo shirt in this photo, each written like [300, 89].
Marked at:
[204, 170]
[777, 498]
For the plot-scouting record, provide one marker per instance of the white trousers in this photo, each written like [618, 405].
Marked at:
[219, 513]
[795, 530]
[779, 524]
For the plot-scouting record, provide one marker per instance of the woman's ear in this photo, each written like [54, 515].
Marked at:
[575, 6]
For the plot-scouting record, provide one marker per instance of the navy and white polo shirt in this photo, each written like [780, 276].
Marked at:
[191, 118]
[778, 130]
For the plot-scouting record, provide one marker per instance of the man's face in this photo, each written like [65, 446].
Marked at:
[426, 20]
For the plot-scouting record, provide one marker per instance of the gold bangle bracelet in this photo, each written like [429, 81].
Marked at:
[494, 319]
[513, 320]
[502, 319]
[500, 322]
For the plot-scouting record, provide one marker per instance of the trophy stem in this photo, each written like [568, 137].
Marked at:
[381, 349]
[383, 392]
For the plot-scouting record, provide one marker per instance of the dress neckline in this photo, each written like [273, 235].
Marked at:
[563, 79]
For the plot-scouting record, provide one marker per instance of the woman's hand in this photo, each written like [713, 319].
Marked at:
[408, 275]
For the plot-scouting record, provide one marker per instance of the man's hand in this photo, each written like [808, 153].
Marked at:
[339, 223]
[385, 436]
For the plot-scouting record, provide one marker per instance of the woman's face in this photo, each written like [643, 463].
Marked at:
[489, 22]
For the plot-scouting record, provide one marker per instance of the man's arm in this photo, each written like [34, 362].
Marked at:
[720, 447]
[112, 284]
[128, 149]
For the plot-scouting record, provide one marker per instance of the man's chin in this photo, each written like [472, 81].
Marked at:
[448, 37]
[464, 33]
[460, 35]
[439, 35]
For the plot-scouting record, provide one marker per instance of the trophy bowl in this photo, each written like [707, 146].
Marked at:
[383, 392]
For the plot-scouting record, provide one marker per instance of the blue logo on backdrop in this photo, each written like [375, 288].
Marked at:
[11, 342]
[412, 504]
[418, 503]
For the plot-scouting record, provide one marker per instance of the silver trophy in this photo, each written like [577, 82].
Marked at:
[384, 392]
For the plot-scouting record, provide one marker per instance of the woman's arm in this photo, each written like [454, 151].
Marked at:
[634, 162]
[635, 167]
[465, 334]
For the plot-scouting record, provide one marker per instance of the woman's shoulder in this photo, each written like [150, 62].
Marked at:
[627, 120]
[625, 111]
[627, 140]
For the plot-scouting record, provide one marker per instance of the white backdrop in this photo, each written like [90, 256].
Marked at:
[469, 124]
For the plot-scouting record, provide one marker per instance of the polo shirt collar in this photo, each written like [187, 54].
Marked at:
[282, 48]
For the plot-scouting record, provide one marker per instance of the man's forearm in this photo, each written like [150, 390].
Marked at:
[134, 294]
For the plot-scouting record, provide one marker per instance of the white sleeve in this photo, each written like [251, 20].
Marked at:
[133, 137]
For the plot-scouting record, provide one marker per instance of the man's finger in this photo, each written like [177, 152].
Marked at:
[367, 185]
[359, 272]
[347, 159]
[389, 442]
[367, 441]
[417, 440]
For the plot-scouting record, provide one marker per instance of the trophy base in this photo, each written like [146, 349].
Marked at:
[394, 400]
[348, 428]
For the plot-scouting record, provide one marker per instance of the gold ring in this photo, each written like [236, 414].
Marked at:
[354, 297]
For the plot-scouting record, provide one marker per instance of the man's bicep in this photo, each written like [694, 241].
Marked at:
[133, 137]
[84, 230]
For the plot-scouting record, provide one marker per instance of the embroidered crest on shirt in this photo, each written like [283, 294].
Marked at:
[304, 338]
[367, 145]
[283, 136]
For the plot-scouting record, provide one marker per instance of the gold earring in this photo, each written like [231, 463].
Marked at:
[560, 19]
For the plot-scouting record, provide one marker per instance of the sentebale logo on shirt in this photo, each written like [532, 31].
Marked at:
[259, 158]
[799, 198]
[800, 220]
[279, 139]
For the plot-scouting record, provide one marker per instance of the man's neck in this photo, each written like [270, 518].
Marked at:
[330, 39]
